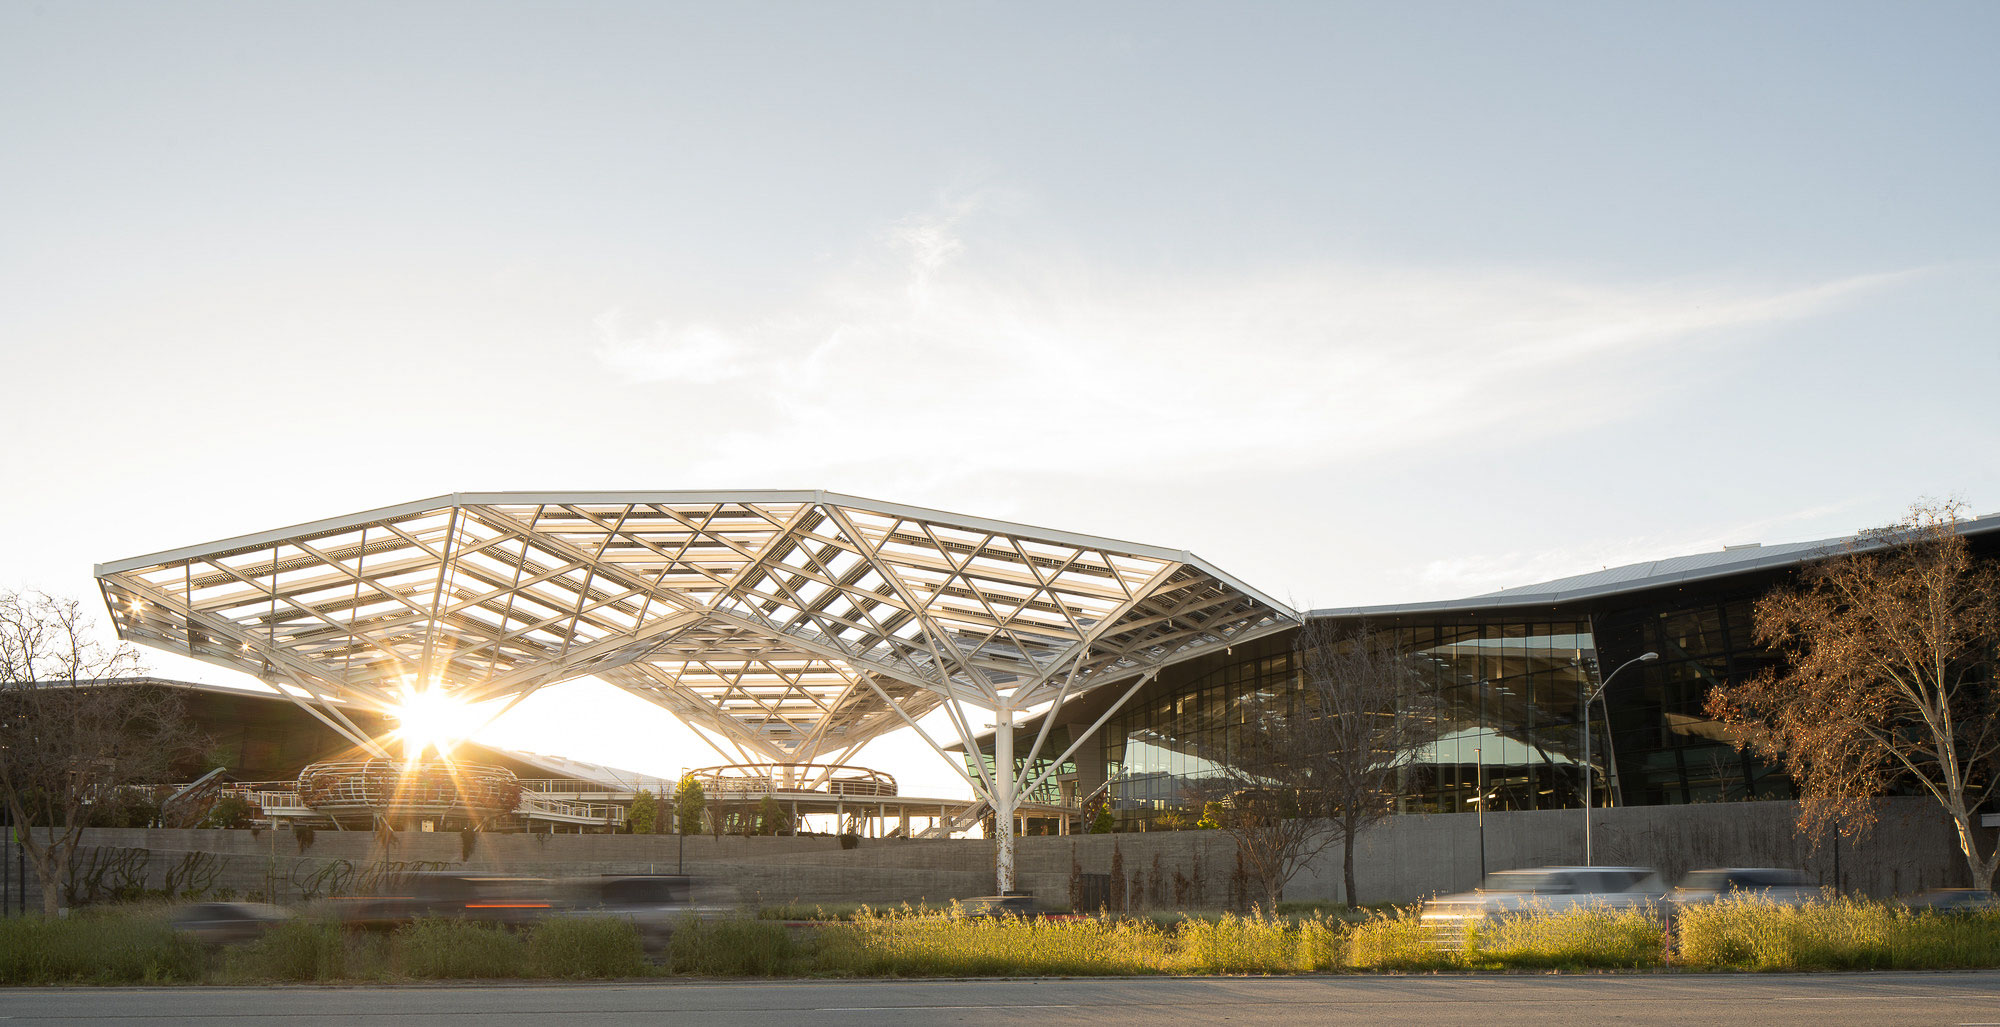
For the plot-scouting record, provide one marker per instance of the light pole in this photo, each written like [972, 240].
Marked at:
[1589, 771]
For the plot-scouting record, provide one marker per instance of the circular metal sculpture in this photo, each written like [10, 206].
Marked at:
[766, 778]
[362, 790]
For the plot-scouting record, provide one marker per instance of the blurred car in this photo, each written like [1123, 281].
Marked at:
[1771, 884]
[1955, 900]
[1552, 889]
[223, 923]
[482, 897]
[654, 903]
[994, 907]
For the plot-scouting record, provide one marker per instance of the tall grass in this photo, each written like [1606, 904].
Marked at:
[734, 948]
[305, 950]
[1259, 944]
[96, 949]
[1397, 941]
[1584, 937]
[586, 948]
[1839, 934]
[942, 943]
[1741, 934]
[437, 949]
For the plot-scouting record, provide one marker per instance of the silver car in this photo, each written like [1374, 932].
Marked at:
[1770, 884]
[1552, 889]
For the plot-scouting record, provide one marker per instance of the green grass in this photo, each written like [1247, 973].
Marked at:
[429, 950]
[582, 949]
[734, 948]
[305, 950]
[97, 948]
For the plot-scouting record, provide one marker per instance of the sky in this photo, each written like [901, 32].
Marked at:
[1363, 302]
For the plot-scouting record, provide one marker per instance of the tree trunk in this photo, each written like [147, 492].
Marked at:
[1968, 842]
[52, 863]
[1347, 867]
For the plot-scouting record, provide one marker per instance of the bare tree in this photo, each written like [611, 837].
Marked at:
[1889, 677]
[67, 739]
[1320, 765]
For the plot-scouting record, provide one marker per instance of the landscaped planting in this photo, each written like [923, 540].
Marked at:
[120, 946]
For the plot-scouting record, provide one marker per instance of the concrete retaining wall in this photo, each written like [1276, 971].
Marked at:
[1408, 857]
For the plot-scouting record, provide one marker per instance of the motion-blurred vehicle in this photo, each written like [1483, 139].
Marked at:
[486, 898]
[1955, 900]
[1771, 884]
[994, 907]
[1551, 889]
[654, 903]
[222, 923]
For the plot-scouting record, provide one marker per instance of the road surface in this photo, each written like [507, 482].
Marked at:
[1821, 1000]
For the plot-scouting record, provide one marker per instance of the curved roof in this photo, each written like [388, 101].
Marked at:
[794, 624]
[1639, 577]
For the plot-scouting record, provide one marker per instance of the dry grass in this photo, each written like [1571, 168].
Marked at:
[1743, 934]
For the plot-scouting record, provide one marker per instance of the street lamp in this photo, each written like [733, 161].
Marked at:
[1589, 771]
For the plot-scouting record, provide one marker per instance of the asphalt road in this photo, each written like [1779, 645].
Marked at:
[1488, 1001]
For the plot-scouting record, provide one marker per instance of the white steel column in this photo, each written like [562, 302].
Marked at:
[1004, 780]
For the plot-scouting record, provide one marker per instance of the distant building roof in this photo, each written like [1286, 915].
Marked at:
[1639, 577]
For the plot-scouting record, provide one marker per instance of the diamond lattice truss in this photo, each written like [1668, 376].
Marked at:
[792, 625]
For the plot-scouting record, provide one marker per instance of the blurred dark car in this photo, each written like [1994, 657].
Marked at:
[486, 898]
[993, 907]
[654, 903]
[1955, 900]
[1778, 885]
[222, 923]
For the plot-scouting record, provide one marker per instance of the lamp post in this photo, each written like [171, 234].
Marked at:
[1589, 771]
[1480, 794]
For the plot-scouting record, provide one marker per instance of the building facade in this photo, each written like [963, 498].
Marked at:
[1511, 671]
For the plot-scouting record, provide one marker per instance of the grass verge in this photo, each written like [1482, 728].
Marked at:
[117, 947]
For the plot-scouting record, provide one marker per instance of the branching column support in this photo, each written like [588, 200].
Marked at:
[1005, 778]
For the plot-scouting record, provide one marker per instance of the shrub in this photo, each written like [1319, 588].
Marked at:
[639, 816]
[230, 811]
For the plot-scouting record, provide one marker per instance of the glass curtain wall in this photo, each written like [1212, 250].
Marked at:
[1509, 694]
[1669, 750]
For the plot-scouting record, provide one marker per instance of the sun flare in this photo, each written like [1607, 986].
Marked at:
[432, 719]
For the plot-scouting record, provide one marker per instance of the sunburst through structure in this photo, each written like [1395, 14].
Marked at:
[786, 627]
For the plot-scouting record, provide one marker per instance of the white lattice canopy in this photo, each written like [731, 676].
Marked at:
[794, 626]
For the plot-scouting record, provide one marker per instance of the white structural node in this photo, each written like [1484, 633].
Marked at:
[786, 627]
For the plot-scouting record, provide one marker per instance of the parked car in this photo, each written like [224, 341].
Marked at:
[1555, 889]
[1955, 900]
[488, 898]
[1772, 884]
[226, 922]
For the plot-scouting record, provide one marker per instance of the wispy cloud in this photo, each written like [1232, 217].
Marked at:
[950, 349]
[1467, 576]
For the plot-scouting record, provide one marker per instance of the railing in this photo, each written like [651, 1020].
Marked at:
[278, 804]
[822, 778]
[578, 786]
[573, 812]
